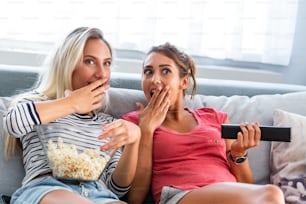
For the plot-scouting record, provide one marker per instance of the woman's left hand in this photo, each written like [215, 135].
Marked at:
[122, 133]
[248, 137]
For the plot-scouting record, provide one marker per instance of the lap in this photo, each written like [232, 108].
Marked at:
[227, 192]
[34, 191]
[171, 195]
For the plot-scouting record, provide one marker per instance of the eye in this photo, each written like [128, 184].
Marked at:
[147, 71]
[107, 63]
[166, 71]
[89, 61]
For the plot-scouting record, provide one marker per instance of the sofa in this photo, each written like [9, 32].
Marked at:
[243, 101]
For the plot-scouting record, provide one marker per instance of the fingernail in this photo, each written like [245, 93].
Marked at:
[103, 148]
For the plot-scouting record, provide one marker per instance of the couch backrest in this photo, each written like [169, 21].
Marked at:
[16, 79]
[214, 87]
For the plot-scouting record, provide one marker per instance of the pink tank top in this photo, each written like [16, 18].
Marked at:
[190, 160]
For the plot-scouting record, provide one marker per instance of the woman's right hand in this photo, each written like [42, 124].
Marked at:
[153, 115]
[87, 98]
[122, 132]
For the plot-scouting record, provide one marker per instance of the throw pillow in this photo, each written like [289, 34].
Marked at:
[10, 179]
[288, 159]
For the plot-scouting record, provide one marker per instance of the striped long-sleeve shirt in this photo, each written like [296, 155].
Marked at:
[20, 122]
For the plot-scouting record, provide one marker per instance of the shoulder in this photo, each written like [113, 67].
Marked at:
[206, 110]
[106, 117]
[211, 113]
[131, 116]
[28, 97]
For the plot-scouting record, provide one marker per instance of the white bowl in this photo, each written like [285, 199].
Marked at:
[73, 152]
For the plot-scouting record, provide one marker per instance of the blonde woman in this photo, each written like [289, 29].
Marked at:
[72, 91]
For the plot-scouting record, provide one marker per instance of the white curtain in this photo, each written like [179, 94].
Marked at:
[245, 30]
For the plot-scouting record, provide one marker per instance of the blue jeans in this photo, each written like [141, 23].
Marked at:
[35, 190]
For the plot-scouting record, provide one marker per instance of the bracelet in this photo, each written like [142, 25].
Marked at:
[238, 159]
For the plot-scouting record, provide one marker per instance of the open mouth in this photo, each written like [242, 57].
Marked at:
[152, 92]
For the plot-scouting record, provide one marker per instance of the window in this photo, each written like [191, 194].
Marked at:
[244, 30]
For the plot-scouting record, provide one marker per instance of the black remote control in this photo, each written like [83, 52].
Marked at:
[268, 133]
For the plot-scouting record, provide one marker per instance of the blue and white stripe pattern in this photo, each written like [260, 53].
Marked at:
[21, 122]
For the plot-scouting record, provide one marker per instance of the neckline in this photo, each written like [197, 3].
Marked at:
[184, 133]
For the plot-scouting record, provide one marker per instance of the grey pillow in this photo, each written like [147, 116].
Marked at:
[288, 160]
[122, 101]
[12, 172]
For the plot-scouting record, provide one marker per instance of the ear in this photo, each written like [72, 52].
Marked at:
[185, 82]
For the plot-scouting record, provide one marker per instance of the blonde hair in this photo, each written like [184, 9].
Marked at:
[58, 77]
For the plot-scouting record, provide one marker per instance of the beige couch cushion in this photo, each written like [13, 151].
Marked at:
[288, 160]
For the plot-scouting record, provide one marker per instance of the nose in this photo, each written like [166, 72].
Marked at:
[101, 71]
[156, 79]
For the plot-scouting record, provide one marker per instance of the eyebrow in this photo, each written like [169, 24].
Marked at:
[165, 65]
[161, 65]
[91, 56]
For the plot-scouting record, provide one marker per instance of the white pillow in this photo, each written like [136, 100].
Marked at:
[288, 159]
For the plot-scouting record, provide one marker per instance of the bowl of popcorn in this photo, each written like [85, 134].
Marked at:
[73, 151]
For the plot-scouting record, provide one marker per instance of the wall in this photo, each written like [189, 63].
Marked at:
[296, 72]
